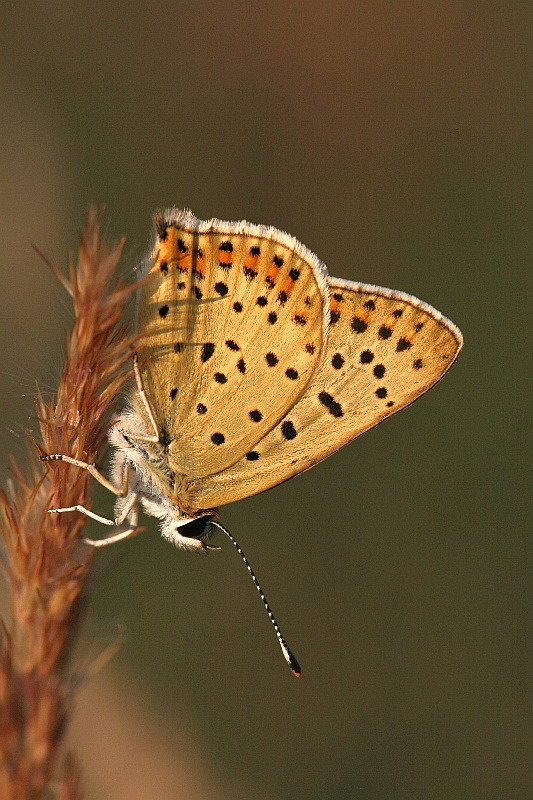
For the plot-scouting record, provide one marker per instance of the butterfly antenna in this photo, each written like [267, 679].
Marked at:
[289, 656]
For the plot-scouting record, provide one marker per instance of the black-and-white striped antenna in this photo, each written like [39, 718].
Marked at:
[289, 656]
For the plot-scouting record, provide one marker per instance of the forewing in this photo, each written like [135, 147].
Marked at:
[232, 318]
[384, 350]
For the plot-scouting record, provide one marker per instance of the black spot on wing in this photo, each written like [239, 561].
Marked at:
[221, 288]
[161, 226]
[403, 344]
[288, 431]
[207, 351]
[334, 408]
[359, 325]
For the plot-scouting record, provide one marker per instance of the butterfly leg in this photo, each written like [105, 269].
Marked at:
[142, 394]
[118, 537]
[130, 511]
[85, 511]
[91, 469]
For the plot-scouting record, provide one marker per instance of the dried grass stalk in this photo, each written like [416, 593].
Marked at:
[46, 566]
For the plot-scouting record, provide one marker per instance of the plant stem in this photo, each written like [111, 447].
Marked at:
[47, 568]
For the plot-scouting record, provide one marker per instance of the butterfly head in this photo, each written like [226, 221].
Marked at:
[189, 533]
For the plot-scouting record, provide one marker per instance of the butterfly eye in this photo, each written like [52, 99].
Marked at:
[194, 529]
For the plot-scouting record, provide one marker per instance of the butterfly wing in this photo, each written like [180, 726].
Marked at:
[384, 349]
[232, 319]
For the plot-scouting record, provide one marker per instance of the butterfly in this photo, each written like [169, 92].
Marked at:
[253, 365]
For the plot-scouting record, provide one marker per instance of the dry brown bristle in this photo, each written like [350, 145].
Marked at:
[45, 566]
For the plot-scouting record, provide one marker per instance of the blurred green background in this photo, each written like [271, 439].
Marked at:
[392, 139]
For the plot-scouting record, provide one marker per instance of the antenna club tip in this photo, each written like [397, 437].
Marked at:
[294, 666]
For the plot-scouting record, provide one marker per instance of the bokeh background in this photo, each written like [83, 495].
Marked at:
[392, 139]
